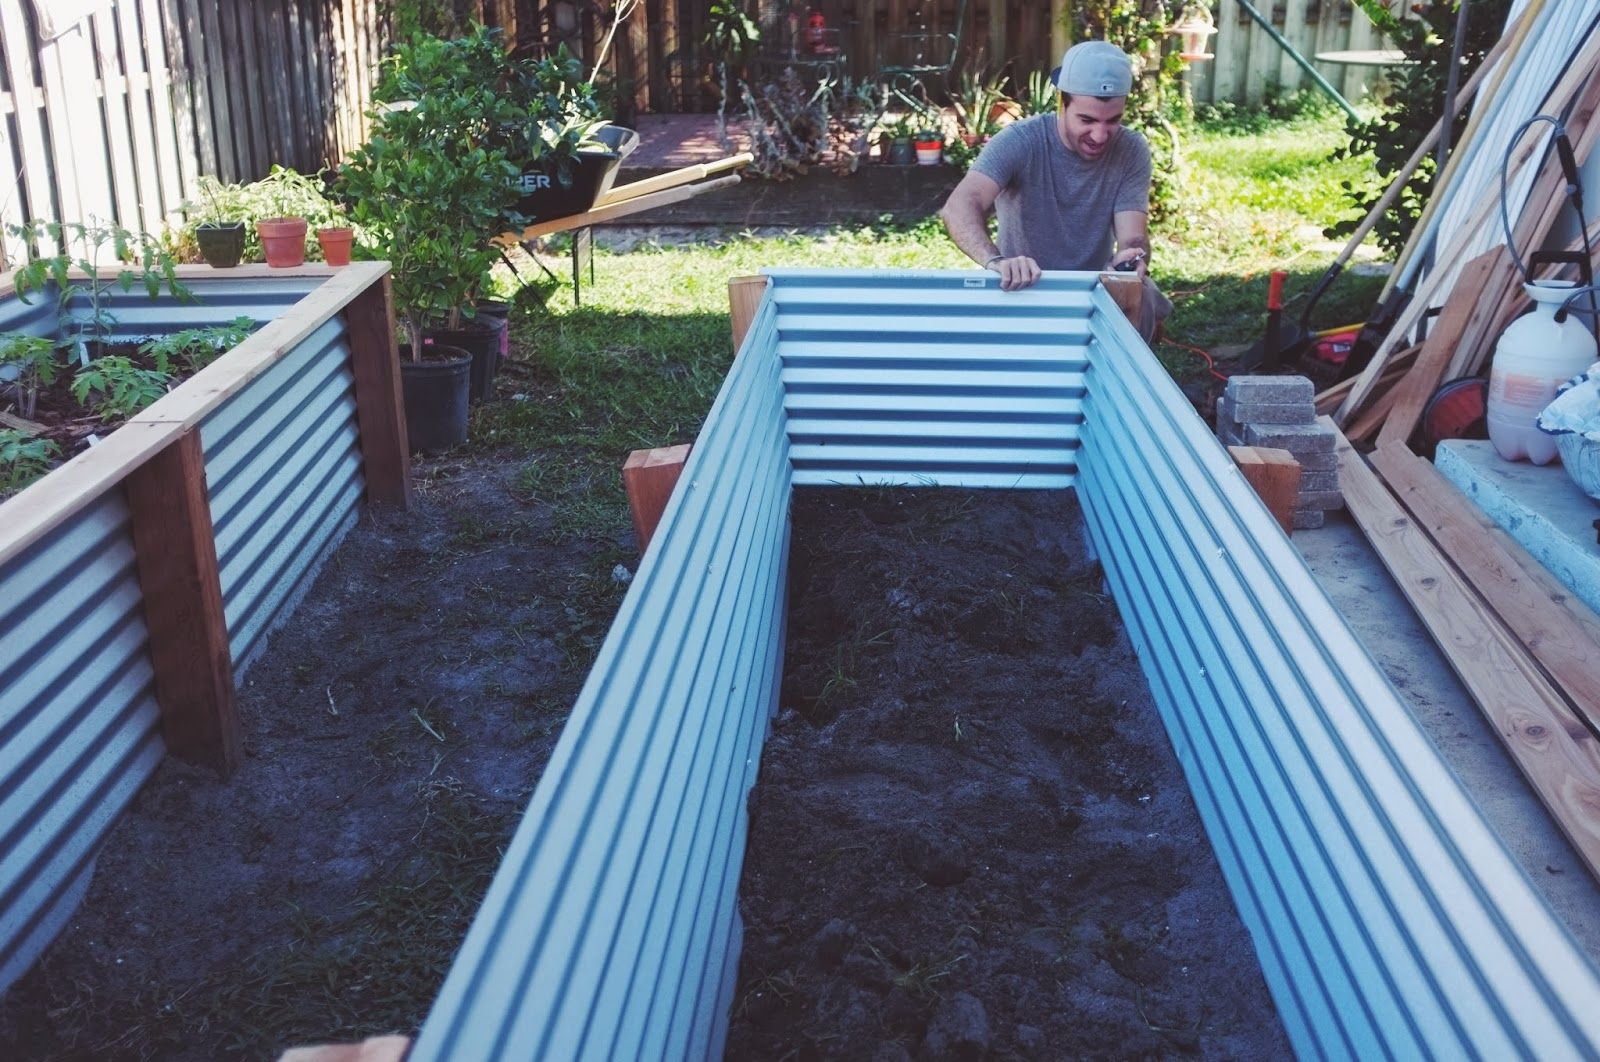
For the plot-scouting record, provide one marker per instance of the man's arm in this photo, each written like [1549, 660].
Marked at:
[1132, 229]
[966, 219]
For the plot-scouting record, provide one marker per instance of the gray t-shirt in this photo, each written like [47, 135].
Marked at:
[1055, 205]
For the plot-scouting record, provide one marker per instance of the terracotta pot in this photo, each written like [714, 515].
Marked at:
[336, 244]
[283, 241]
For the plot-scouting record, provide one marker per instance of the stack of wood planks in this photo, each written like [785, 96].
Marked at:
[1479, 299]
[1523, 646]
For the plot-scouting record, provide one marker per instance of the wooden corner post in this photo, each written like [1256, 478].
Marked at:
[650, 476]
[177, 562]
[380, 412]
[744, 298]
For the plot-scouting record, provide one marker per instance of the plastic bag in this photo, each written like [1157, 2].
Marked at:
[1573, 417]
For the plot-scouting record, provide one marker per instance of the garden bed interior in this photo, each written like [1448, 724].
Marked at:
[1386, 916]
[139, 579]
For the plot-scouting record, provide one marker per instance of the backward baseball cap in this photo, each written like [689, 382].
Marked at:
[1094, 68]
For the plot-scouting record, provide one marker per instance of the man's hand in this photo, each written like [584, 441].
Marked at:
[1015, 273]
[1130, 254]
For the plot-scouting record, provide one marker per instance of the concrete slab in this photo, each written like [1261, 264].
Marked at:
[1540, 507]
[1378, 612]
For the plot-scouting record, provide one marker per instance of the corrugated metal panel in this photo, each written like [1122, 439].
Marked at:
[37, 317]
[1389, 919]
[283, 468]
[611, 929]
[214, 302]
[932, 377]
[79, 726]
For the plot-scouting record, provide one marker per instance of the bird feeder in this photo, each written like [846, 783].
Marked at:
[1194, 30]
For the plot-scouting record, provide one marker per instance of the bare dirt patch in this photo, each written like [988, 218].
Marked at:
[970, 837]
[394, 729]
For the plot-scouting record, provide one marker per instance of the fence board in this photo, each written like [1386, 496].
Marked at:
[122, 22]
[116, 98]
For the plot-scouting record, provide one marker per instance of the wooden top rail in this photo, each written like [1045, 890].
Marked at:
[251, 271]
[50, 502]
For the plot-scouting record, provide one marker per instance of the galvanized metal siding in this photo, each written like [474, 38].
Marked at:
[1390, 921]
[283, 469]
[932, 378]
[79, 726]
[36, 317]
[213, 302]
[611, 929]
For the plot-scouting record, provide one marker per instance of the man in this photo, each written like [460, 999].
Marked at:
[1064, 185]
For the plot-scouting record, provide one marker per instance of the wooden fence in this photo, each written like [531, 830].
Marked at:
[111, 108]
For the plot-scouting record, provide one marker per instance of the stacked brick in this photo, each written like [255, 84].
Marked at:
[1280, 412]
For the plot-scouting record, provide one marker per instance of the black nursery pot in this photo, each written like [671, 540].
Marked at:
[435, 394]
[221, 243]
[480, 337]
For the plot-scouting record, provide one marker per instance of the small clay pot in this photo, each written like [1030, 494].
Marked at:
[928, 151]
[283, 241]
[336, 244]
[221, 242]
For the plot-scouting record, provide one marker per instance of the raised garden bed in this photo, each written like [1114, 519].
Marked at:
[139, 579]
[1386, 916]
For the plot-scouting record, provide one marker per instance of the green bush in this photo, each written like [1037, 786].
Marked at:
[1412, 108]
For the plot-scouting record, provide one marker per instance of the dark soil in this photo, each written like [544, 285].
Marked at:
[393, 732]
[970, 837]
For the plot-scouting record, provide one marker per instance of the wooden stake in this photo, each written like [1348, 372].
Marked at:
[744, 299]
[380, 411]
[650, 476]
[1275, 475]
[1127, 291]
[177, 560]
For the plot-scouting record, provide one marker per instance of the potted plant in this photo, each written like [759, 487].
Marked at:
[895, 144]
[221, 239]
[981, 106]
[335, 236]
[429, 191]
[929, 145]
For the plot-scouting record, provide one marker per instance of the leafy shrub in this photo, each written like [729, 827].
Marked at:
[1413, 106]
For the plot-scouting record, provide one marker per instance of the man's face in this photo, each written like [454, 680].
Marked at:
[1088, 125]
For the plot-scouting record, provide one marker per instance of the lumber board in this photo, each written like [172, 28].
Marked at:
[650, 201]
[1555, 751]
[176, 552]
[1557, 629]
[649, 477]
[1328, 399]
[380, 410]
[1275, 476]
[1374, 417]
[744, 298]
[1127, 291]
[1504, 49]
[1464, 310]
